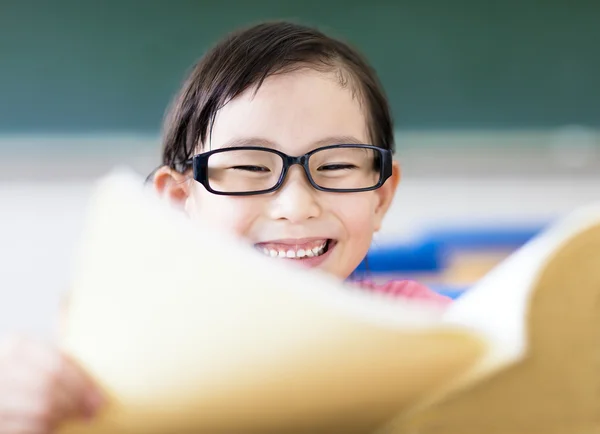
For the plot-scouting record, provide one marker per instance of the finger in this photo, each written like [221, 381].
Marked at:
[73, 392]
[17, 372]
[78, 384]
[29, 389]
[22, 426]
[21, 412]
[63, 406]
[28, 393]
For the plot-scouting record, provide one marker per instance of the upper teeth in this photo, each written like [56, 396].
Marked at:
[293, 252]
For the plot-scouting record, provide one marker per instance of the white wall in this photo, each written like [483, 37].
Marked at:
[450, 177]
[40, 222]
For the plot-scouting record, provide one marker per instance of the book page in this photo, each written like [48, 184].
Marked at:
[187, 330]
[538, 310]
[498, 306]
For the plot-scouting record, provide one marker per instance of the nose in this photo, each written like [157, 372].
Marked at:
[296, 199]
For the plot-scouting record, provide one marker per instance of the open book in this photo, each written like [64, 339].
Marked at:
[187, 330]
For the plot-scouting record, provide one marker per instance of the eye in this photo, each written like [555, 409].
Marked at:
[251, 168]
[338, 166]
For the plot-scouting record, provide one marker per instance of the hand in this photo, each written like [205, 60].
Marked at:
[40, 388]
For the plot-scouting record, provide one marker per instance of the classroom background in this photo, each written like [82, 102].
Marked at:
[497, 108]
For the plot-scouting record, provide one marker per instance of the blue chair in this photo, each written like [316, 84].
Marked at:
[485, 238]
[403, 258]
[431, 253]
[453, 292]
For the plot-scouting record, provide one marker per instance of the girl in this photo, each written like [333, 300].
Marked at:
[281, 135]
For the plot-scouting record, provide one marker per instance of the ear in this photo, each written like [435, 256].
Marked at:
[172, 185]
[386, 195]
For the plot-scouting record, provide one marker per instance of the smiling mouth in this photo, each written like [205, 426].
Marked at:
[300, 251]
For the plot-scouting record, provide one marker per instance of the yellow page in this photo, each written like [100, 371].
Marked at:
[187, 330]
[501, 307]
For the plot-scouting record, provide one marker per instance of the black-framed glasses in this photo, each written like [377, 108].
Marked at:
[250, 170]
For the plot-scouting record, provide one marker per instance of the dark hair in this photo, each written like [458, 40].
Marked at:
[246, 58]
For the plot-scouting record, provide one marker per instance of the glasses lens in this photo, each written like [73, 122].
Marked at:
[243, 171]
[346, 168]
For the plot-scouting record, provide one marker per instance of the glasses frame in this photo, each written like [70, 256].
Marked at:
[200, 168]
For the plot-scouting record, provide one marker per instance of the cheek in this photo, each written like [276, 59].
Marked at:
[357, 214]
[234, 215]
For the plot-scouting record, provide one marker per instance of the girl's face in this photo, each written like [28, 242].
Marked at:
[294, 113]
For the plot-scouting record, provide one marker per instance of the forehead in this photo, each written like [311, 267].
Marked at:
[293, 112]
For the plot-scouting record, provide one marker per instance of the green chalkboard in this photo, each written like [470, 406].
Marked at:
[112, 65]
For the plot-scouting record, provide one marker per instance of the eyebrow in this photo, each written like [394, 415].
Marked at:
[266, 143]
